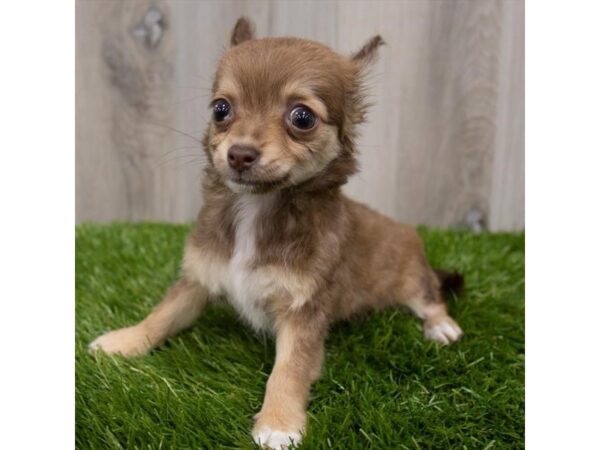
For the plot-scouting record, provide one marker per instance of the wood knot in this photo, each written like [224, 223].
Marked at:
[151, 29]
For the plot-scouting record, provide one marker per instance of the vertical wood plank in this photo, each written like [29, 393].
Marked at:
[507, 197]
[375, 184]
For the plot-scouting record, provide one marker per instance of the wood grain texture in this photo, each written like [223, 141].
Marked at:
[445, 134]
[507, 198]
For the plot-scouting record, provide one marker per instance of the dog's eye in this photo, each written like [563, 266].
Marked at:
[221, 110]
[302, 118]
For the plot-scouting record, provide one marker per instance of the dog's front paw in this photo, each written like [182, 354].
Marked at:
[267, 437]
[128, 342]
[279, 428]
[443, 330]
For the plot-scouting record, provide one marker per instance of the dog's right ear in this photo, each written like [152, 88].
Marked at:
[242, 31]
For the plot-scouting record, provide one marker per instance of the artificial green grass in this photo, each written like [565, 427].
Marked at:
[382, 387]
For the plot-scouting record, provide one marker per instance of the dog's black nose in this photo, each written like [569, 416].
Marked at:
[242, 157]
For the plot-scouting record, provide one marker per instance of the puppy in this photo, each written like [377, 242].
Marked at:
[276, 237]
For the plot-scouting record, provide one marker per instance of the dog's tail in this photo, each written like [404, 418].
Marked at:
[451, 282]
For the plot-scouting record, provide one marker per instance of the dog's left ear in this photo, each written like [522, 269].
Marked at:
[368, 53]
[362, 59]
[242, 31]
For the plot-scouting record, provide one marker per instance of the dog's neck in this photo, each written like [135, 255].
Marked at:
[280, 220]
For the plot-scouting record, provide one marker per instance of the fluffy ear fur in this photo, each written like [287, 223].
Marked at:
[358, 104]
[242, 31]
[368, 53]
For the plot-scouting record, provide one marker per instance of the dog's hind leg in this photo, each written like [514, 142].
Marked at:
[423, 296]
[180, 308]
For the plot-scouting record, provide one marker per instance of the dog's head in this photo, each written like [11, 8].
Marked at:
[284, 112]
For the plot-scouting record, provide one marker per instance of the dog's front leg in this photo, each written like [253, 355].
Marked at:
[179, 309]
[300, 347]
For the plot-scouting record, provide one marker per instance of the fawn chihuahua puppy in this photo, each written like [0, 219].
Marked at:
[276, 237]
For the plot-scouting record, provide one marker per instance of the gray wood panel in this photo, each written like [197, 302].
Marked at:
[445, 136]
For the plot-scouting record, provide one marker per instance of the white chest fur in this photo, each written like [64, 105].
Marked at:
[245, 286]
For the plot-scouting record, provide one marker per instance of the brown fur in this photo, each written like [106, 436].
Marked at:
[242, 31]
[310, 255]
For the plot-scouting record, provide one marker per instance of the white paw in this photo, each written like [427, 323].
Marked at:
[276, 439]
[444, 330]
[131, 341]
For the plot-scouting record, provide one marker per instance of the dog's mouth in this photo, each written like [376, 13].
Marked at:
[241, 183]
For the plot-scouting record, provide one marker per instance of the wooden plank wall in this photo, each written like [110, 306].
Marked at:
[444, 145]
